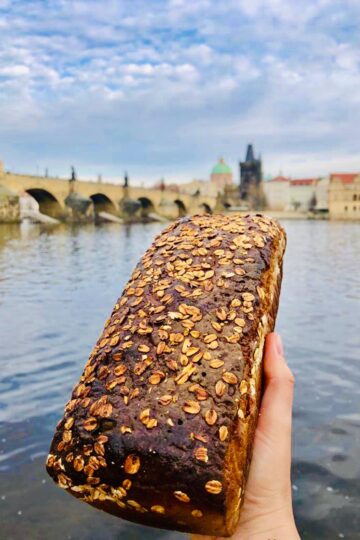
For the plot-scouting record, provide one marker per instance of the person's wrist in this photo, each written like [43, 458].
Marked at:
[275, 525]
[286, 532]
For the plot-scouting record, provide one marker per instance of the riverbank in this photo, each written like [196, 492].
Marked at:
[285, 215]
[105, 217]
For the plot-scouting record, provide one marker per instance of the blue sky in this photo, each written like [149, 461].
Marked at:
[163, 88]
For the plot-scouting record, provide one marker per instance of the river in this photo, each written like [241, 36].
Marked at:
[57, 287]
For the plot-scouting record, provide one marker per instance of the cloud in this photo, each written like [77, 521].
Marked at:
[14, 71]
[163, 88]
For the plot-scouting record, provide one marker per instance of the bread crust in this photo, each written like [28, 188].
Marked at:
[159, 429]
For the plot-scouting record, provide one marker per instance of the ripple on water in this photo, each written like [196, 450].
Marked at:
[56, 290]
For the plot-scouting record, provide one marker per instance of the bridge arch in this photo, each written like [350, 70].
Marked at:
[207, 208]
[181, 207]
[102, 203]
[147, 206]
[48, 203]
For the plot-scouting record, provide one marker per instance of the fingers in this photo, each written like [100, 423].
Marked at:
[276, 405]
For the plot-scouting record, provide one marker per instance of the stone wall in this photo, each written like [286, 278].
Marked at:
[9, 208]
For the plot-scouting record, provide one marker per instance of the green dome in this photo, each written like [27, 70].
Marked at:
[221, 168]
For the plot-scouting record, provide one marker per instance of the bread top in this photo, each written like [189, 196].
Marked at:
[152, 415]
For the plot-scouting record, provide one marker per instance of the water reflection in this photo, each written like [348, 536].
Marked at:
[56, 288]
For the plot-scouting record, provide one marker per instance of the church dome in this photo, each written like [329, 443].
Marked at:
[221, 168]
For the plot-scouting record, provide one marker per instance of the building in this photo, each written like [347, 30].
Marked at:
[302, 194]
[299, 195]
[221, 176]
[250, 174]
[344, 196]
[322, 195]
[277, 193]
[198, 187]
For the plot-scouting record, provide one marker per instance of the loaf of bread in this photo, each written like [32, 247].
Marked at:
[159, 429]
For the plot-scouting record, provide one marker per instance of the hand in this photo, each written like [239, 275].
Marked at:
[267, 511]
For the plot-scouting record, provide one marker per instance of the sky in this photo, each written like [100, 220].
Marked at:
[163, 88]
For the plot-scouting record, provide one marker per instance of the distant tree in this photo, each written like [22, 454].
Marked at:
[295, 204]
[256, 197]
[312, 203]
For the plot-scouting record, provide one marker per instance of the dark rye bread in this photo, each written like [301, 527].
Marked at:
[159, 428]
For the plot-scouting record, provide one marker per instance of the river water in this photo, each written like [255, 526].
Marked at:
[56, 289]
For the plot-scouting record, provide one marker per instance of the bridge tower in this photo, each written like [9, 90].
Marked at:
[250, 173]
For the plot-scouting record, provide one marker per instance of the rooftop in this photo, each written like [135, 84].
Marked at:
[303, 181]
[221, 168]
[345, 178]
[279, 179]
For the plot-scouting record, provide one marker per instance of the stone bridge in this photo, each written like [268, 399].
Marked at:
[52, 194]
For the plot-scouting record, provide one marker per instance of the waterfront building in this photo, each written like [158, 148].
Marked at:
[299, 195]
[302, 194]
[221, 176]
[322, 195]
[277, 193]
[344, 196]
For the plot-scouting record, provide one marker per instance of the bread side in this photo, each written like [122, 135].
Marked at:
[159, 428]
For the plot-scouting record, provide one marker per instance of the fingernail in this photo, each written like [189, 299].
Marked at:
[279, 345]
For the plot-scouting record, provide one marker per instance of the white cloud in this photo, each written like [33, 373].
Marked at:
[14, 71]
[169, 85]
[347, 57]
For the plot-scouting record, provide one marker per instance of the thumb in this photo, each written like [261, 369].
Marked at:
[276, 406]
[271, 460]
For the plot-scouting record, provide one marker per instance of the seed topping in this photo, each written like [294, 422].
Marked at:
[201, 454]
[181, 496]
[214, 487]
[132, 464]
[229, 377]
[158, 509]
[191, 407]
[223, 433]
[220, 388]
[211, 417]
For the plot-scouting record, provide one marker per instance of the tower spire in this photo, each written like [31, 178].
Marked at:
[249, 153]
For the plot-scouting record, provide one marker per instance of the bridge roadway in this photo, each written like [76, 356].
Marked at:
[51, 194]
